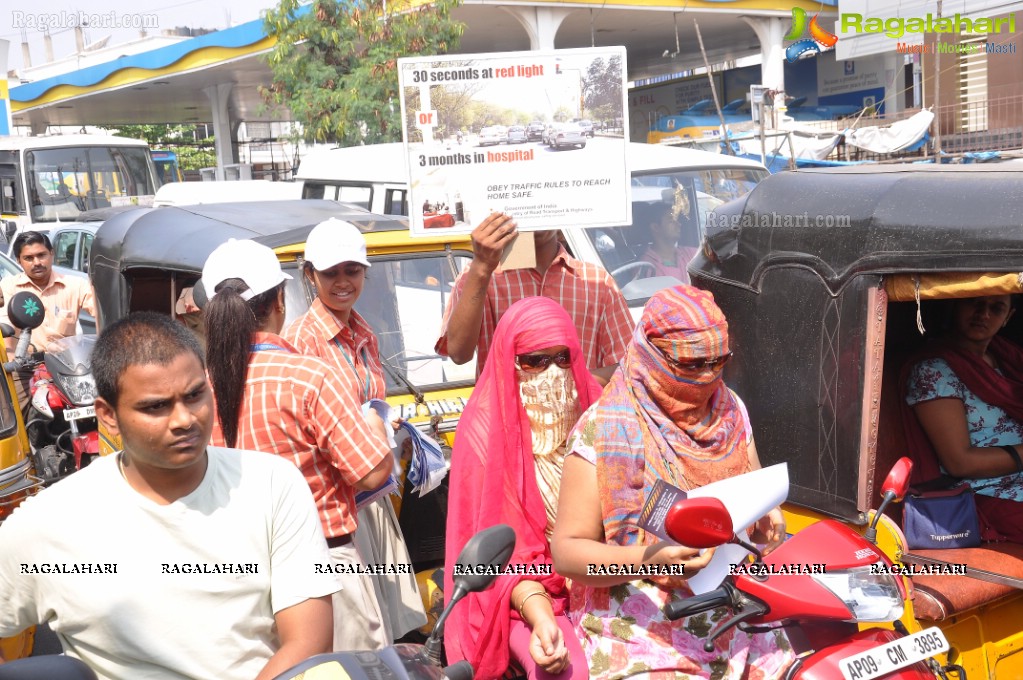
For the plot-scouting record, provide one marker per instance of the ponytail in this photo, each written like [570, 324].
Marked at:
[230, 324]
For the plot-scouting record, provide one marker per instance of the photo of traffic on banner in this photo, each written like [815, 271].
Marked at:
[515, 132]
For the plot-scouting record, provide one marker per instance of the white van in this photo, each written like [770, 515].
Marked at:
[373, 177]
[196, 193]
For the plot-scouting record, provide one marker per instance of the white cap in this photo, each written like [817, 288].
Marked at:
[335, 241]
[252, 262]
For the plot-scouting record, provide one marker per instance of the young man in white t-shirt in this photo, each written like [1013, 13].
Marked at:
[172, 558]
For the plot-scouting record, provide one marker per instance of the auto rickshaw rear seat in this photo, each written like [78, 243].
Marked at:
[936, 598]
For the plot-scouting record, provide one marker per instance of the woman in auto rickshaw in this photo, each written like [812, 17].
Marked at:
[829, 277]
[966, 395]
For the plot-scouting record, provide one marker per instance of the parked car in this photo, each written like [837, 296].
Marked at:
[489, 135]
[502, 133]
[72, 244]
[535, 130]
[517, 135]
[586, 126]
[566, 135]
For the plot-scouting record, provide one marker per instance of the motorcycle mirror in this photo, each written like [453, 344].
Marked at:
[895, 486]
[699, 523]
[25, 310]
[488, 552]
[491, 547]
[897, 481]
[7, 331]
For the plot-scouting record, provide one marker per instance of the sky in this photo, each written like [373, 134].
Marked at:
[116, 19]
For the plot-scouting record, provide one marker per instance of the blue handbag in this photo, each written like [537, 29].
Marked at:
[941, 519]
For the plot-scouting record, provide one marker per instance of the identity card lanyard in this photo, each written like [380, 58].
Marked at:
[264, 346]
[365, 362]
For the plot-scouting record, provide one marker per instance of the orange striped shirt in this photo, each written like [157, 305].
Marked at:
[353, 349]
[298, 407]
[586, 291]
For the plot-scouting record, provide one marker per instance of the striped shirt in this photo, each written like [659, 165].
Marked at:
[586, 291]
[299, 408]
[352, 348]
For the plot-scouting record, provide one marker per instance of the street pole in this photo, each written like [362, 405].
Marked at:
[937, 99]
[713, 90]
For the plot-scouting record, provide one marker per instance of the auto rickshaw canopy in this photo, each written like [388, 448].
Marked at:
[802, 267]
[177, 240]
[844, 222]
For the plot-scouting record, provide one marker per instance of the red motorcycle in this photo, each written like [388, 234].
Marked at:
[62, 427]
[858, 584]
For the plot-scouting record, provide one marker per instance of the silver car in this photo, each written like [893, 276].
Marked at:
[517, 135]
[563, 135]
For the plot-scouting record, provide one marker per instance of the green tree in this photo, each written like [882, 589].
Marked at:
[335, 62]
[602, 88]
[180, 139]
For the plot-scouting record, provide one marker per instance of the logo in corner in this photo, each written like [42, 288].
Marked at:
[818, 41]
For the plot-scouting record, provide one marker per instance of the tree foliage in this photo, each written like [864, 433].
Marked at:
[335, 62]
[180, 139]
[602, 88]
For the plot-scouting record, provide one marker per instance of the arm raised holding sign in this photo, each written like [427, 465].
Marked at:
[483, 293]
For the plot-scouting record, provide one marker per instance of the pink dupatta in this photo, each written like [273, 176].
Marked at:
[493, 481]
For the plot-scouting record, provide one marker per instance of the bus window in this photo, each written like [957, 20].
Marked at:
[317, 190]
[66, 181]
[396, 202]
[356, 195]
[8, 193]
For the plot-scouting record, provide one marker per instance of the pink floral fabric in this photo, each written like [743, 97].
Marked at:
[623, 631]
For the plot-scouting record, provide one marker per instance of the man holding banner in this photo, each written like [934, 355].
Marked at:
[483, 292]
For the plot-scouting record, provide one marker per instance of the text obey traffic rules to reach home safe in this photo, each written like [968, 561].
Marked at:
[501, 132]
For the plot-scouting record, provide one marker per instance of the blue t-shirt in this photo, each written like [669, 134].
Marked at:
[988, 425]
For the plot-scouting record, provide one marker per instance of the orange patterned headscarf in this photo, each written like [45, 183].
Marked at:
[654, 422]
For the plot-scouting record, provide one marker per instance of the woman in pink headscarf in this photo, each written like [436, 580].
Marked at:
[506, 469]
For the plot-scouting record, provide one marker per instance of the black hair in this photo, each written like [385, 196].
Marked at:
[230, 323]
[136, 340]
[30, 238]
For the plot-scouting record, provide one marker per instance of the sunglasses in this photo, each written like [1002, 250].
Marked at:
[699, 365]
[538, 363]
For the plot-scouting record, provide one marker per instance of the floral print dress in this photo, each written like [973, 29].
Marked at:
[988, 425]
[623, 630]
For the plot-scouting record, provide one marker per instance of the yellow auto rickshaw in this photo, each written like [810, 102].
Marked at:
[825, 276]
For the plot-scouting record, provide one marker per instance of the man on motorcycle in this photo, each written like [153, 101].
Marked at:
[63, 298]
[171, 558]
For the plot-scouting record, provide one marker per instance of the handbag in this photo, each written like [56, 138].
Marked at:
[945, 518]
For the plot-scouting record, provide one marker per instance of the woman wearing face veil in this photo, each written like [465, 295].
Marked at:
[506, 468]
[666, 415]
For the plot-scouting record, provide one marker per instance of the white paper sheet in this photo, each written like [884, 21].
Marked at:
[748, 497]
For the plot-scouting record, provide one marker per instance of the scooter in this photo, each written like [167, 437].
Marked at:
[62, 426]
[493, 547]
[859, 585]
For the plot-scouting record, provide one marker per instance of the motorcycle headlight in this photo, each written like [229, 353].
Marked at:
[80, 389]
[869, 597]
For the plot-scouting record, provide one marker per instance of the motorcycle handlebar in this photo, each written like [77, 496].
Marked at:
[459, 671]
[696, 604]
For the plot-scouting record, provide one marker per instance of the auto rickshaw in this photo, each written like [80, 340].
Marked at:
[827, 277]
[145, 258]
[18, 481]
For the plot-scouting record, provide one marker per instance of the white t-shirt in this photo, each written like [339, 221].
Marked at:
[165, 612]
